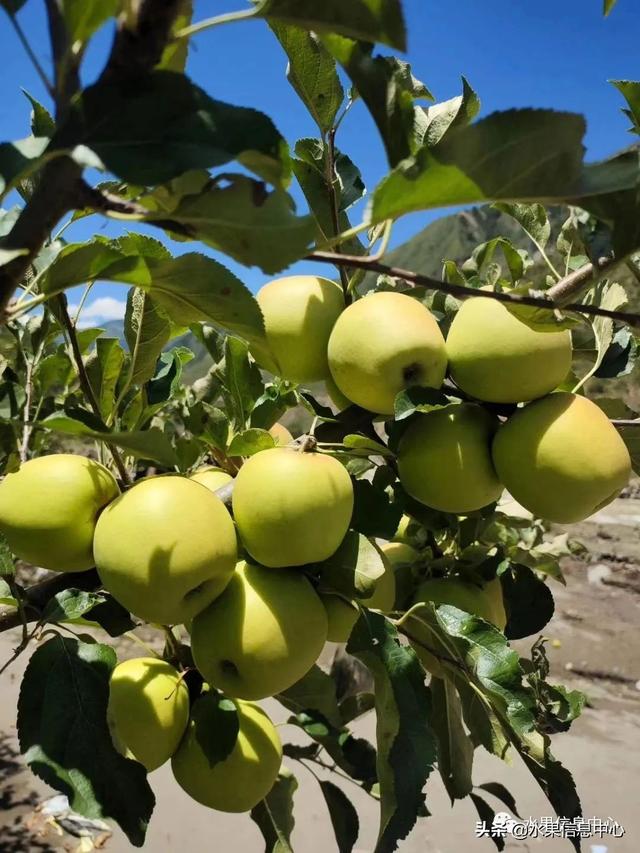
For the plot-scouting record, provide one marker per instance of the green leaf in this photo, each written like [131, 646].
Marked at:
[83, 19]
[528, 602]
[517, 155]
[532, 218]
[151, 444]
[613, 297]
[312, 73]
[355, 567]
[501, 793]
[42, 122]
[216, 726]
[242, 219]
[176, 52]
[630, 89]
[484, 727]
[162, 125]
[274, 814]
[344, 817]
[406, 743]
[374, 513]
[487, 815]
[621, 355]
[20, 159]
[368, 446]
[483, 255]
[167, 380]
[368, 20]
[70, 604]
[146, 330]
[356, 705]
[104, 371]
[607, 6]
[7, 598]
[455, 749]
[63, 734]
[314, 692]
[249, 442]
[52, 372]
[389, 90]
[7, 567]
[437, 120]
[111, 616]
[417, 399]
[78, 263]
[631, 437]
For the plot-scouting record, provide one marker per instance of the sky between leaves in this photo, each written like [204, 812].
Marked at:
[551, 53]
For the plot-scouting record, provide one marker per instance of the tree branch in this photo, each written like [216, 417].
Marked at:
[565, 288]
[331, 177]
[36, 597]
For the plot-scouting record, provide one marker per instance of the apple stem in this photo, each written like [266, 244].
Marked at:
[308, 444]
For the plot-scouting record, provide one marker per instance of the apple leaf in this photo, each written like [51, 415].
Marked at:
[63, 734]
[528, 602]
[162, 125]
[7, 598]
[7, 565]
[249, 442]
[368, 20]
[147, 331]
[241, 383]
[312, 73]
[501, 793]
[612, 296]
[455, 749]
[517, 155]
[417, 399]
[70, 604]
[103, 370]
[174, 56]
[216, 726]
[607, 6]
[242, 219]
[344, 817]
[368, 446]
[316, 691]
[620, 357]
[20, 159]
[630, 89]
[83, 19]
[487, 815]
[354, 568]
[406, 742]
[42, 122]
[439, 119]
[374, 512]
[274, 814]
[532, 218]
[167, 378]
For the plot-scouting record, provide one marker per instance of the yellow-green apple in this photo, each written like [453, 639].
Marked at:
[212, 477]
[382, 344]
[245, 776]
[261, 635]
[49, 507]
[561, 458]
[299, 312]
[384, 594]
[336, 396]
[402, 558]
[166, 548]
[444, 459]
[458, 593]
[280, 434]
[148, 710]
[342, 615]
[495, 356]
[292, 508]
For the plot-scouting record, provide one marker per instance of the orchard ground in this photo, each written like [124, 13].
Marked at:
[595, 629]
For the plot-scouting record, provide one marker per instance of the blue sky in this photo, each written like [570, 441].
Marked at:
[551, 53]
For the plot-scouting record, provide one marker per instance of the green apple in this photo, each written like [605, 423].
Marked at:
[49, 507]
[402, 558]
[212, 477]
[336, 396]
[261, 635]
[495, 356]
[444, 459]
[299, 312]
[458, 593]
[493, 591]
[292, 508]
[281, 434]
[166, 548]
[561, 458]
[245, 776]
[342, 615]
[382, 344]
[384, 594]
[148, 710]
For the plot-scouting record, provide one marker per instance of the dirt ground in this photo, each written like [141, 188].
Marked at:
[595, 648]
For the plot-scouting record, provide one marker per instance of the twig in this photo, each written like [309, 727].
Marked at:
[227, 18]
[66, 62]
[85, 384]
[30, 53]
[27, 427]
[463, 292]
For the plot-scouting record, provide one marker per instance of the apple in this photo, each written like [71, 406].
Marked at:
[495, 356]
[292, 507]
[561, 458]
[336, 396]
[493, 591]
[148, 710]
[48, 510]
[342, 615]
[261, 635]
[458, 593]
[402, 558]
[281, 434]
[245, 776]
[299, 312]
[212, 477]
[382, 344]
[384, 594]
[444, 459]
[165, 549]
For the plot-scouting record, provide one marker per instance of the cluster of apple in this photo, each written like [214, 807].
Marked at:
[559, 455]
